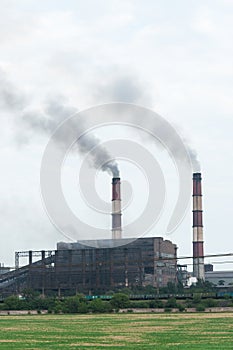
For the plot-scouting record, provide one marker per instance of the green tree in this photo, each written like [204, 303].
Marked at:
[210, 302]
[221, 282]
[196, 299]
[203, 287]
[29, 294]
[58, 307]
[171, 303]
[156, 304]
[12, 303]
[83, 308]
[200, 307]
[120, 300]
[99, 306]
[72, 304]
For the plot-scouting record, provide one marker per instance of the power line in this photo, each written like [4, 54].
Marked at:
[205, 256]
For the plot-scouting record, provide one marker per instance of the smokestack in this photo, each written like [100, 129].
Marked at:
[116, 208]
[198, 251]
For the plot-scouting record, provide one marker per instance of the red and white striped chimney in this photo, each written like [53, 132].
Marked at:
[198, 250]
[116, 208]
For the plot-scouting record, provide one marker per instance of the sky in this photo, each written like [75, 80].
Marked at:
[57, 57]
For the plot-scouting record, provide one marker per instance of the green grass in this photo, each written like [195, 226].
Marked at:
[118, 331]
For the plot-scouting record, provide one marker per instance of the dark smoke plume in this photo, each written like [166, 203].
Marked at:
[122, 88]
[55, 113]
[126, 88]
[47, 119]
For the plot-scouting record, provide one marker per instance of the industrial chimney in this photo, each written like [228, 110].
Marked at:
[198, 251]
[116, 208]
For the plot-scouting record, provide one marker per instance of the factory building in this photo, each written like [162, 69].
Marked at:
[74, 267]
[145, 261]
[86, 266]
[220, 278]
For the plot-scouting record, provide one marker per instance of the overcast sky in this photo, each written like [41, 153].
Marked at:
[175, 57]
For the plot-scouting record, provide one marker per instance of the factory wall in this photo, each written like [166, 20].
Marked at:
[78, 268]
[141, 262]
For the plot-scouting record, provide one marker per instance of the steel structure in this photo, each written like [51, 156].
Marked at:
[76, 268]
[30, 254]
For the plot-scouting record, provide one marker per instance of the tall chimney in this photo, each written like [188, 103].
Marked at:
[198, 251]
[116, 208]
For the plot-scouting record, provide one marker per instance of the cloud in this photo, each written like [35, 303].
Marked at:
[176, 58]
[10, 97]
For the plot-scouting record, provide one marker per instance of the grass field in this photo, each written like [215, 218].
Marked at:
[118, 331]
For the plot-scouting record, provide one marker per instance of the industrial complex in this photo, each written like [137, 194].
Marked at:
[83, 267]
